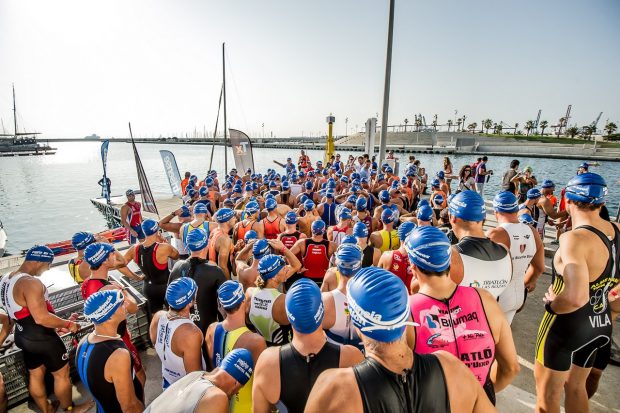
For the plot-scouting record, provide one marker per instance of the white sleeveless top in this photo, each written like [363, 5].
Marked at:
[179, 244]
[183, 396]
[342, 328]
[172, 367]
[486, 264]
[522, 248]
[7, 301]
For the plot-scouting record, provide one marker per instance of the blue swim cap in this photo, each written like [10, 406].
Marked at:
[318, 227]
[272, 184]
[237, 189]
[209, 182]
[425, 213]
[526, 219]
[200, 208]
[100, 306]
[348, 259]
[344, 213]
[424, 202]
[95, 254]
[361, 204]
[379, 304]
[534, 193]
[203, 191]
[589, 188]
[352, 199]
[344, 179]
[40, 253]
[252, 207]
[429, 248]
[438, 200]
[286, 185]
[435, 183]
[230, 294]
[308, 205]
[349, 239]
[441, 175]
[411, 171]
[389, 170]
[260, 248]
[82, 239]
[384, 196]
[468, 206]
[584, 165]
[250, 235]
[193, 178]
[239, 364]
[224, 215]
[329, 194]
[270, 265]
[197, 240]
[360, 230]
[271, 204]
[181, 292]
[405, 229]
[150, 227]
[304, 306]
[450, 198]
[506, 202]
[185, 212]
[547, 183]
[290, 218]
[303, 198]
[248, 187]
[387, 216]
[308, 185]
[191, 192]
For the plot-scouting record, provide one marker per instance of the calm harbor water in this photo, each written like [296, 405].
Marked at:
[47, 198]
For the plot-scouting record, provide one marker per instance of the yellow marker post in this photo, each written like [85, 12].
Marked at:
[329, 145]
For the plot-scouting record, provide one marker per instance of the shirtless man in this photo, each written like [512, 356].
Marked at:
[131, 217]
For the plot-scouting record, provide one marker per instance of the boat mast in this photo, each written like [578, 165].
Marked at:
[14, 113]
[224, 95]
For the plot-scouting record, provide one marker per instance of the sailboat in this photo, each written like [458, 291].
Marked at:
[22, 143]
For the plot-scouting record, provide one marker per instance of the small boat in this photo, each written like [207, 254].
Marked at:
[3, 239]
[112, 235]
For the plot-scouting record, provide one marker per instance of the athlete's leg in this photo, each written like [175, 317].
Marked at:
[592, 381]
[549, 388]
[576, 399]
[36, 387]
[62, 386]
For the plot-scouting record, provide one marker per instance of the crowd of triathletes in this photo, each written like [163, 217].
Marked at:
[338, 287]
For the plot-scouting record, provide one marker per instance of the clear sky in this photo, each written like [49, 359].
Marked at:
[83, 67]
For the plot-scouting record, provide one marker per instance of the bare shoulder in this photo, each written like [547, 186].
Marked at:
[214, 400]
[350, 356]
[269, 358]
[335, 390]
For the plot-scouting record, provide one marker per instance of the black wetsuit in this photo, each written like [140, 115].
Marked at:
[578, 337]
[298, 374]
[90, 361]
[367, 256]
[422, 389]
[208, 277]
[155, 276]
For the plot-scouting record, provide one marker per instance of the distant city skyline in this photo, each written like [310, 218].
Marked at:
[81, 67]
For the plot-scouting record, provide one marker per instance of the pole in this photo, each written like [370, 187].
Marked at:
[386, 86]
[14, 113]
[224, 93]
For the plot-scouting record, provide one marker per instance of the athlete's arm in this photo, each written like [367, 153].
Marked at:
[165, 251]
[33, 292]
[298, 247]
[376, 240]
[243, 256]
[294, 265]
[537, 265]
[7, 326]
[499, 236]
[386, 260]
[190, 347]
[329, 281]
[545, 204]
[266, 389]
[224, 255]
[153, 326]
[130, 254]
[330, 234]
[464, 391]
[574, 252]
[125, 222]
[335, 390]
[255, 343]
[118, 371]
[166, 225]
[505, 351]
[456, 266]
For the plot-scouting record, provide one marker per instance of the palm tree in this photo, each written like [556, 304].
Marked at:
[418, 123]
[587, 132]
[610, 128]
[487, 124]
[449, 124]
[561, 124]
[572, 131]
[529, 125]
[543, 125]
[472, 127]
[516, 127]
[498, 128]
